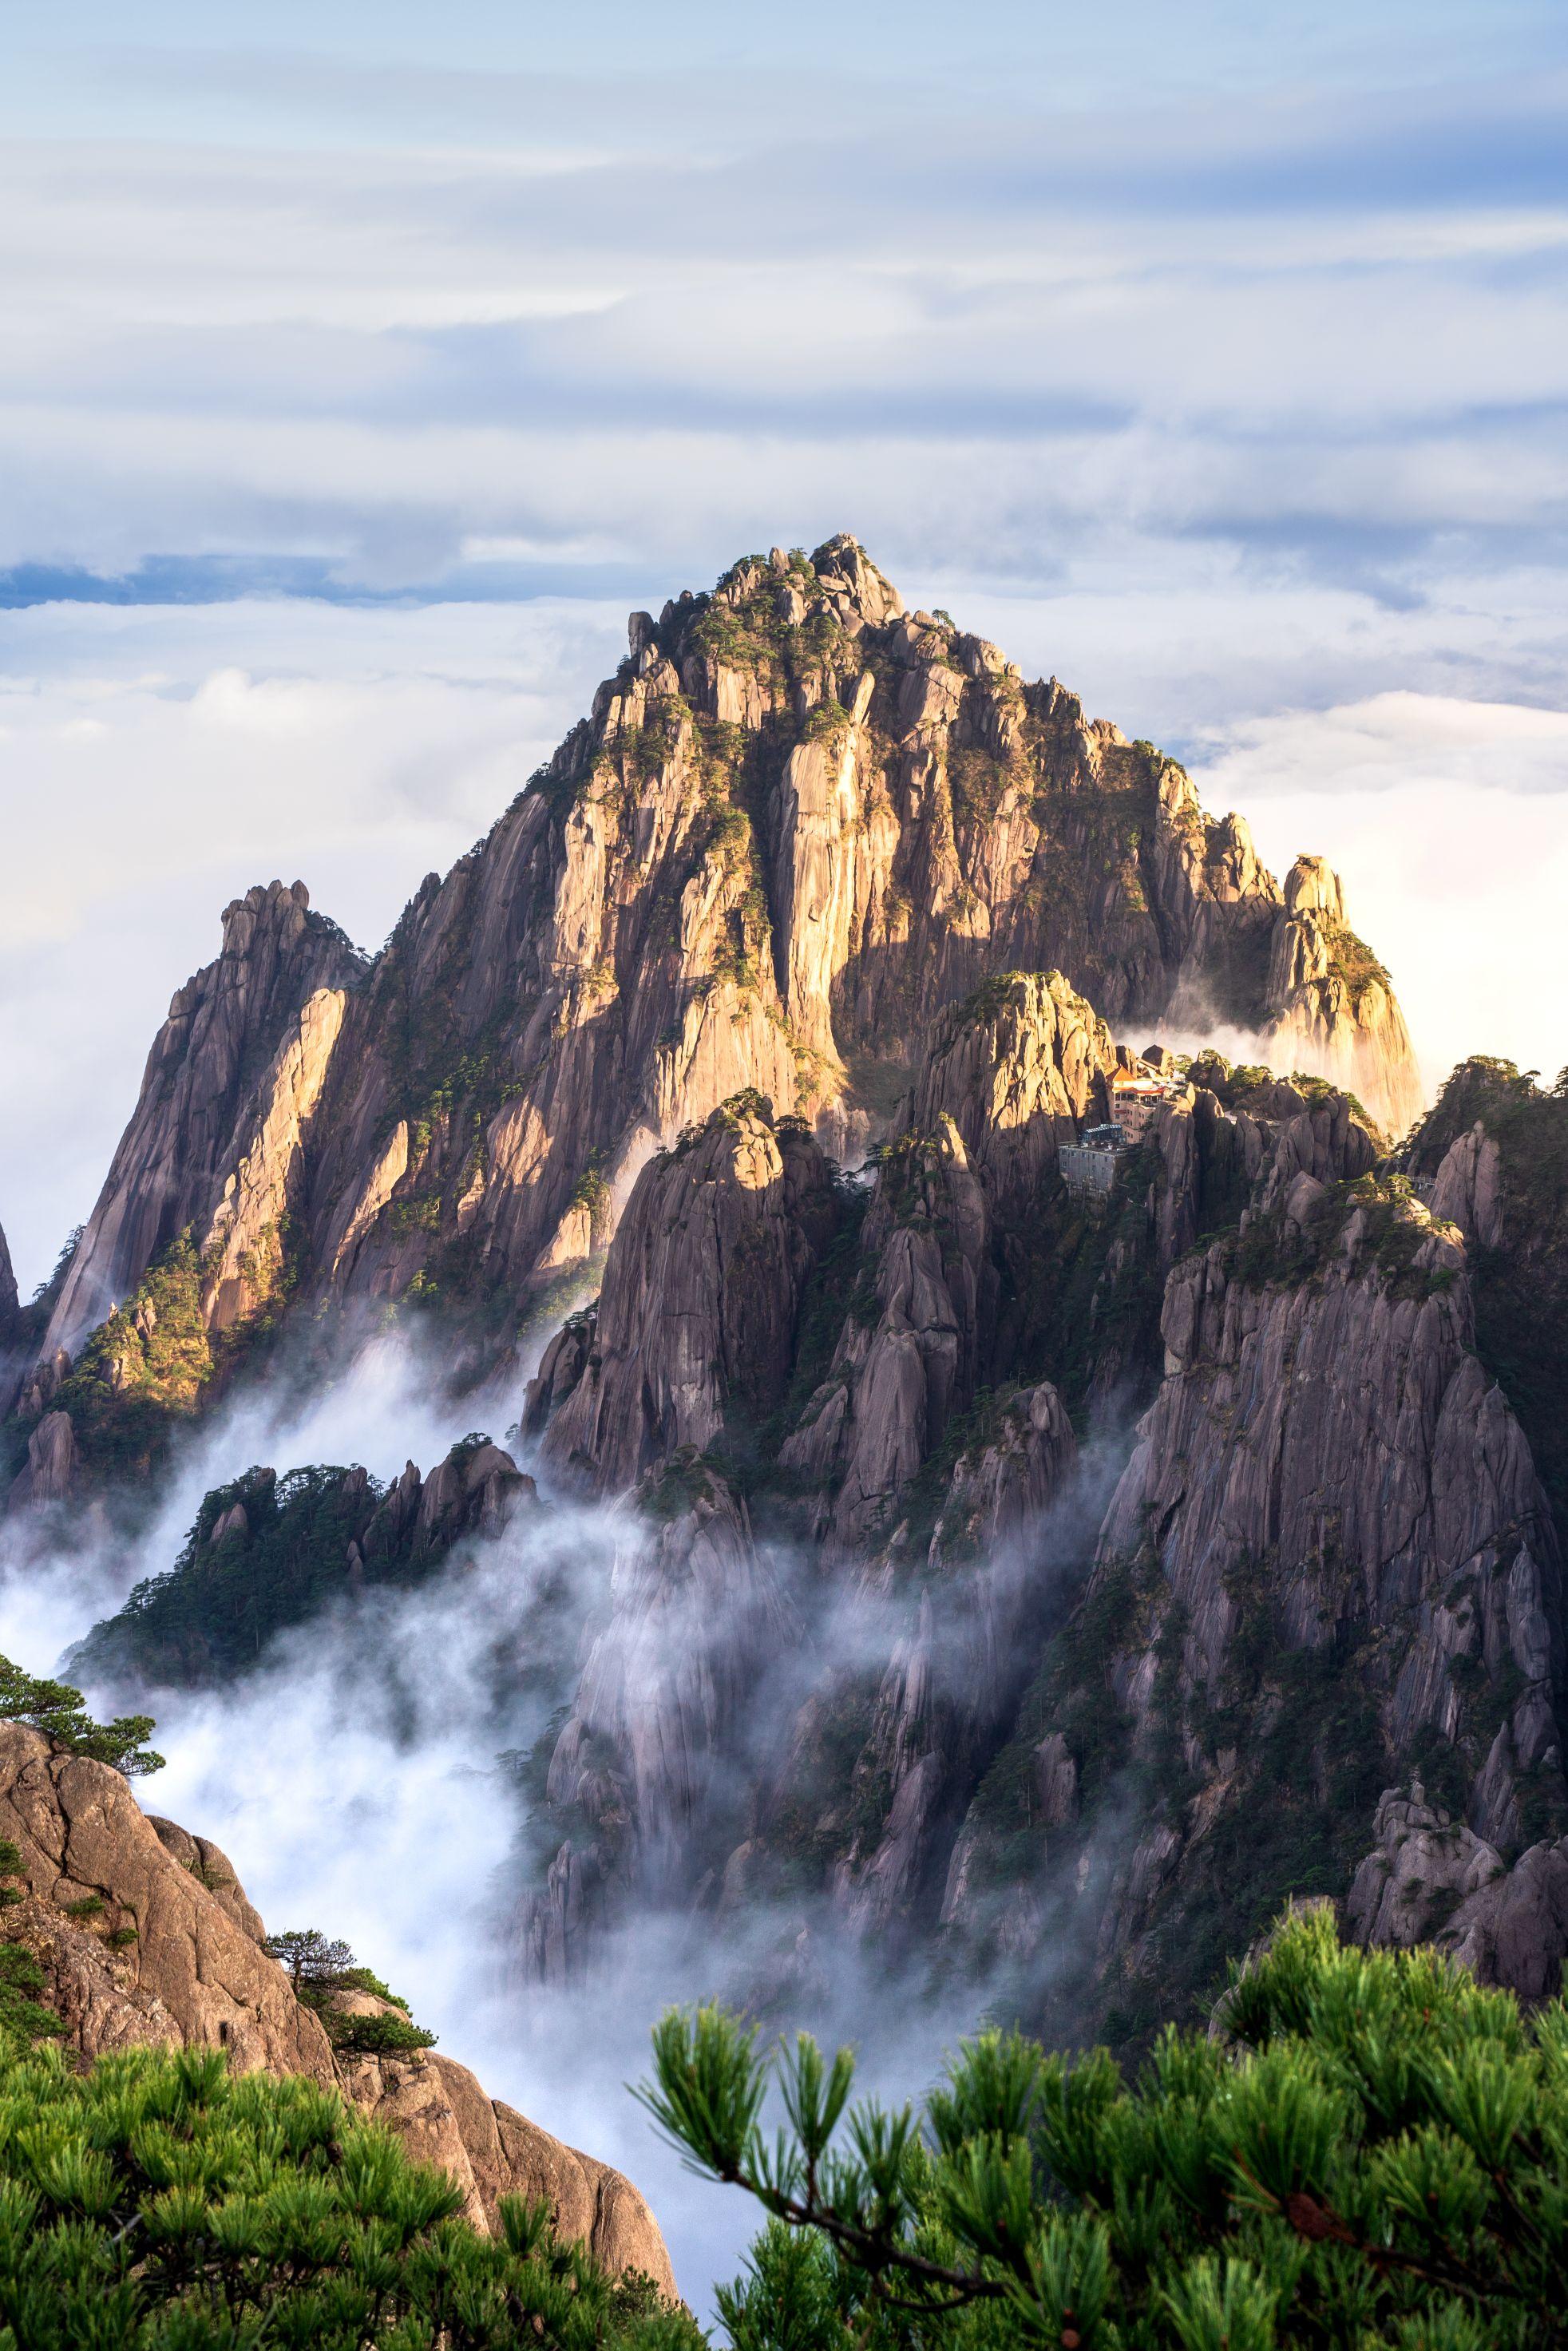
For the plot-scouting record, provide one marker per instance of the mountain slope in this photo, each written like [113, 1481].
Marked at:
[1063, 1498]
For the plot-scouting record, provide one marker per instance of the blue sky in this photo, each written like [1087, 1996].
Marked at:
[1212, 358]
[375, 301]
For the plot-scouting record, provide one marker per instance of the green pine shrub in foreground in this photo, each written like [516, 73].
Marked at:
[159, 2204]
[1366, 2150]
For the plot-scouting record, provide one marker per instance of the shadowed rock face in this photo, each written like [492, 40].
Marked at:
[1429, 1878]
[194, 1976]
[49, 1471]
[11, 1332]
[1344, 1437]
[698, 1315]
[954, 1678]
[658, 1716]
[1329, 1557]
[702, 1292]
[940, 1498]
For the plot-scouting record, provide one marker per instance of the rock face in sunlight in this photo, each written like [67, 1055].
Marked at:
[216, 1143]
[798, 824]
[1332, 1007]
[144, 1935]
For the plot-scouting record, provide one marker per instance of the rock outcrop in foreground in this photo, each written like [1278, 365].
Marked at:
[191, 1972]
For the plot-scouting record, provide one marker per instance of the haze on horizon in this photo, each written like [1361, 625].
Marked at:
[364, 367]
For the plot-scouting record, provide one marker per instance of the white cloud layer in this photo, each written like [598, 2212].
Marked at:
[1449, 821]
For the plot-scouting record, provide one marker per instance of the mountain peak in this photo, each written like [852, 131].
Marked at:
[799, 823]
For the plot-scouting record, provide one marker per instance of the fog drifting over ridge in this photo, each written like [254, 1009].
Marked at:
[353, 1777]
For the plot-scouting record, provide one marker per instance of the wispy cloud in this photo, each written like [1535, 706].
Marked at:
[1322, 328]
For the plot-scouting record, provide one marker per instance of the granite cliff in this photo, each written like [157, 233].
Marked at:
[1329, 1570]
[144, 1935]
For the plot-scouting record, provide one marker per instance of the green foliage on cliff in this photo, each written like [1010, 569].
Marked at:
[743, 625]
[152, 1364]
[285, 1556]
[56, 1710]
[319, 1969]
[1306, 1722]
[143, 1370]
[1368, 2150]
[158, 2204]
[1353, 964]
[1315, 1763]
[23, 2018]
[211, 1615]
[1394, 1233]
[1081, 1291]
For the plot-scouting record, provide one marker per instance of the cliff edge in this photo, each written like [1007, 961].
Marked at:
[145, 1935]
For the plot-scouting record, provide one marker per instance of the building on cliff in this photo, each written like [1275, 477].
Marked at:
[1089, 1165]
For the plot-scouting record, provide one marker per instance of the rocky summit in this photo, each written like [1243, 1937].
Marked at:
[1064, 1497]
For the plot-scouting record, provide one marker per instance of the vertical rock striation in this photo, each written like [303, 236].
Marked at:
[702, 1288]
[798, 824]
[12, 1332]
[214, 1143]
[1329, 1560]
[1330, 1005]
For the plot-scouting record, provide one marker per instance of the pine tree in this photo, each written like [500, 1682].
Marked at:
[57, 1711]
[159, 2204]
[1364, 2150]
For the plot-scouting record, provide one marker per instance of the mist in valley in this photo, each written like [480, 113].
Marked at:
[364, 1776]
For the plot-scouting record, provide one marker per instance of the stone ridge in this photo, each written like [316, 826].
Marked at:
[265, 1554]
[847, 1663]
[191, 1974]
[1327, 1562]
[861, 1327]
